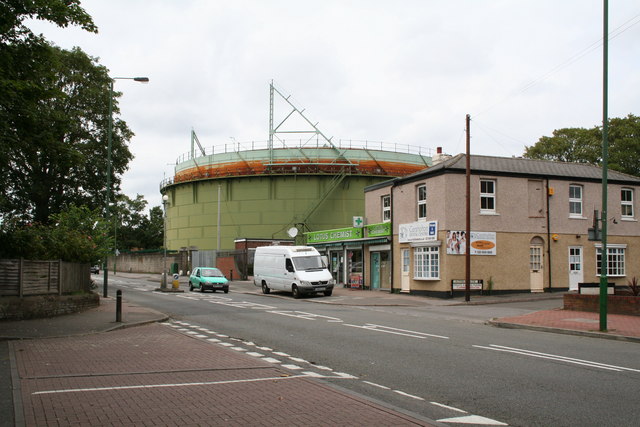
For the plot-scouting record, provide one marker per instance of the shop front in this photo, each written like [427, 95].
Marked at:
[346, 251]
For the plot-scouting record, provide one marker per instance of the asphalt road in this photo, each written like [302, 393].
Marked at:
[440, 362]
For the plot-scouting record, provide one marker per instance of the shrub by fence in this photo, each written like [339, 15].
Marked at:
[21, 277]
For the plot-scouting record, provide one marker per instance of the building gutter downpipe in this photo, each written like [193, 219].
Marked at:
[393, 271]
[548, 234]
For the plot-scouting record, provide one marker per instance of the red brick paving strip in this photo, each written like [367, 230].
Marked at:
[156, 354]
[579, 321]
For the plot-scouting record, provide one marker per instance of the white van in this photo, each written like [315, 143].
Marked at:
[296, 269]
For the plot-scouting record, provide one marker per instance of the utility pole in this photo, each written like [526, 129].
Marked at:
[604, 256]
[467, 253]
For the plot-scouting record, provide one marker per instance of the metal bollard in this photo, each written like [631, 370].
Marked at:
[231, 274]
[119, 306]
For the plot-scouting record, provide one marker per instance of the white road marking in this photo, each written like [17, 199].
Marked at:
[297, 359]
[377, 385]
[238, 348]
[396, 331]
[132, 387]
[255, 354]
[271, 360]
[408, 395]
[279, 353]
[473, 419]
[558, 358]
[448, 407]
[292, 367]
[305, 315]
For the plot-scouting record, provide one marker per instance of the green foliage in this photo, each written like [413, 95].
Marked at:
[77, 234]
[133, 228]
[581, 145]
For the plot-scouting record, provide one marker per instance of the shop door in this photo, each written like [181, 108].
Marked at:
[536, 266]
[336, 259]
[575, 267]
[406, 267]
[375, 270]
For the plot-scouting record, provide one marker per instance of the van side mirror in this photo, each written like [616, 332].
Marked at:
[325, 261]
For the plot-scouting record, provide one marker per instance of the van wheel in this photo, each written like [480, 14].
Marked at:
[328, 293]
[295, 291]
[265, 288]
[190, 287]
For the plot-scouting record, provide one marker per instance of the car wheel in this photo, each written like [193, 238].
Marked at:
[201, 287]
[213, 290]
[328, 293]
[296, 292]
[226, 291]
[265, 288]
[190, 287]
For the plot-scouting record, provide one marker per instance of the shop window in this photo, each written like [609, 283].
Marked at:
[386, 208]
[487, 196]
[422, 202]
[626, 202]
[355, 268]
[575, 201]
[426, 261]
[615, 260]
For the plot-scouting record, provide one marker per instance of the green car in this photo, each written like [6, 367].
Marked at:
[204, 278]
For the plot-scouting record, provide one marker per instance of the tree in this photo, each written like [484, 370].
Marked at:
[77, 234]
[53, 118]
[581, 145]
[134, 229]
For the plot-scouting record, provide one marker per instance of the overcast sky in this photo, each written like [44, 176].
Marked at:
[401, 71]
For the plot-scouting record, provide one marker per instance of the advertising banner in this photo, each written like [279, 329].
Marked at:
[482, 242]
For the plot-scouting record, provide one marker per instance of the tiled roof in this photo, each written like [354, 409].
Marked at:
[515, 166]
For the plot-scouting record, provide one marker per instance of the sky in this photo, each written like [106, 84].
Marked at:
[401, 72]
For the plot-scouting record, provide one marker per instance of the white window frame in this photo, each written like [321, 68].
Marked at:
[406, 263]
[421, 202]
[386, 208]
[575, 201]
[626, 206]
[484, 195]
[616, 260]
[426, 263]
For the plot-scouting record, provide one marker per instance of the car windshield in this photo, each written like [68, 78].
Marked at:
[308, 263]
[211, 272]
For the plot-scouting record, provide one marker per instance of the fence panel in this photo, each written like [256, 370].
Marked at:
[9, 277]
[203, 259]
[40, 277]
[74, 277]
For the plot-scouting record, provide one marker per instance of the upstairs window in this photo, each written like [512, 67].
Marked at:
[575, 201]
[626, 202]
[386, 208]
[487, 196]
[422, 201]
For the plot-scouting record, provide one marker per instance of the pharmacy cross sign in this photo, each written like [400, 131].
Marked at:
[357, 221]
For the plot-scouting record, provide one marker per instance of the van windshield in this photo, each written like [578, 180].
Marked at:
[308, 263]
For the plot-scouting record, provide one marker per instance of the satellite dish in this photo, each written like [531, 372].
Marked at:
[292, 232]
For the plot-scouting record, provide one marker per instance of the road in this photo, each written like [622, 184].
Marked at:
[441, 362]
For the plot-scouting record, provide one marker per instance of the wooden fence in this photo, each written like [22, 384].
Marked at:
[21, 277]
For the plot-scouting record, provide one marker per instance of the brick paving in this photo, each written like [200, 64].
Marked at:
[618, 326]
[154, 375]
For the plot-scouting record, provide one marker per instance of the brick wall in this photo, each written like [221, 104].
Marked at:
[616, 304]
[46, 305]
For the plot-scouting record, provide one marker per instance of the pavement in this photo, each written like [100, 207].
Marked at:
[86, 368]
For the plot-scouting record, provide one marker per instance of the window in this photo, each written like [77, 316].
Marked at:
[487, 195]
[426, 263]
[386, 208]
[422, 202]
[535, 258]
[626, 202]
[615, 260]
[575, 200]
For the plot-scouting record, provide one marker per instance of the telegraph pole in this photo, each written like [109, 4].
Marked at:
[604, 256]
[467, 254]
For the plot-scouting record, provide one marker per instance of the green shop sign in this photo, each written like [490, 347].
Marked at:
[379, 230]
[334, 235]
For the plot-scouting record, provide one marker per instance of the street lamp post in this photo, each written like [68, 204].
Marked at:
[105, 267]
[163, 284]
